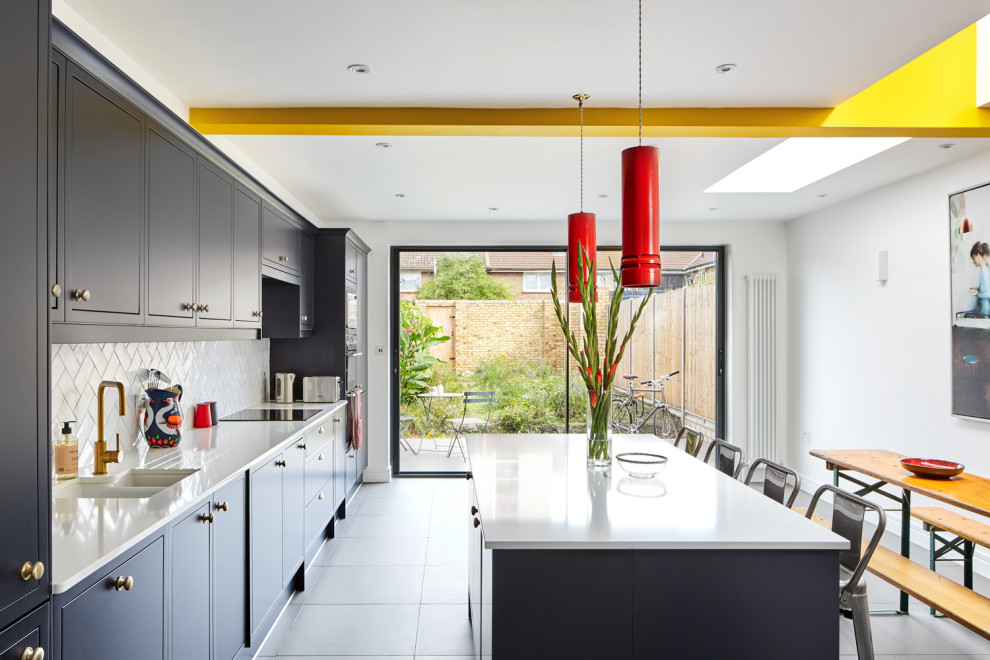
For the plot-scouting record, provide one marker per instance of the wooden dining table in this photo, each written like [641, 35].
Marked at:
[966, 491]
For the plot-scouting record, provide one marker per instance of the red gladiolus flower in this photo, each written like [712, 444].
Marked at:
[594, 398]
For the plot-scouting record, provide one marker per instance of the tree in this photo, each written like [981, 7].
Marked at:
[463, 277]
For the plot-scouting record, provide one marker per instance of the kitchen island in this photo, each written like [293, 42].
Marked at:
[570, 563]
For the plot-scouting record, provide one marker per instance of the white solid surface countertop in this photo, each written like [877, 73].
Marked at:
[88, 533]
[536, 492]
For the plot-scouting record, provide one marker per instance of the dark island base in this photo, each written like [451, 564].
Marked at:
[665, 604]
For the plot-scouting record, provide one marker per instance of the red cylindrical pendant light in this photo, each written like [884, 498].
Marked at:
[581, 234]
[641, 217]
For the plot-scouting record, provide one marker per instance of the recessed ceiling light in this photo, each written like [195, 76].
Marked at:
[797, 162]
[823, 194]
[359, 68]
[947, 145]
[399, 195]
[725, 68]
[713, 208]
[492, 208]
[383, 145]
[603, 197]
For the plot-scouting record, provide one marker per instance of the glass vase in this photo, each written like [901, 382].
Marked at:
[599, 430]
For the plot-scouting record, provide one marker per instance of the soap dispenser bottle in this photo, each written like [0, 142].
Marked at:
[66, 454]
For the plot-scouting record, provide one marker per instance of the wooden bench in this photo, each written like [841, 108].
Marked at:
[952, 599]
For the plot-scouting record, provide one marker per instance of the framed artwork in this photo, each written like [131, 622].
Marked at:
[969, 277]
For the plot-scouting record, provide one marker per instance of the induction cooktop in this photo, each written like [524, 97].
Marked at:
[270, 415]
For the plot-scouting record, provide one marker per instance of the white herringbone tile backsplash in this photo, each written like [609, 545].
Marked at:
[232, 373]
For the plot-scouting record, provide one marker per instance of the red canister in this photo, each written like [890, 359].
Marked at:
[203, 418]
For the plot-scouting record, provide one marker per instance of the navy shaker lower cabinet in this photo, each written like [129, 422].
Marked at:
[266, 542]
[293, 510]
[190, 586]
[121, 615]
[230, 574]
[31, 632]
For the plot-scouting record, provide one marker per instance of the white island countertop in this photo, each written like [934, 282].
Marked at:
[536, 492]
[88, 533]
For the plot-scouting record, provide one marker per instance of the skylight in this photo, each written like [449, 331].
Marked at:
[797, 162]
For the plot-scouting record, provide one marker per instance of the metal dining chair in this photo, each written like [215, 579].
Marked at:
[685, 436]
[775, 480]
[848, 515]
[725, 457]
[464, 424]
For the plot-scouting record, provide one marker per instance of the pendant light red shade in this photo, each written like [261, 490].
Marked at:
[580, 234]
[640, 217]
[967, 226]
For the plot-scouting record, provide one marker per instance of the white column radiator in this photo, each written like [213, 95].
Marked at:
[761, 359]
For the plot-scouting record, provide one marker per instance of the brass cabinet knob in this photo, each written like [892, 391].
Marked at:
[468, 476]
[57, 292]
[320, 457]
[256, 315]
[81, 294]
[280, 463]
[477, 523]
[474, 511]
[203, 308]
[33, 654]
[351, 271]
[124, 583]
[31, 571]
[321, 496]
[321, 430]
[207, 518]
[221, 506]
[189, 307]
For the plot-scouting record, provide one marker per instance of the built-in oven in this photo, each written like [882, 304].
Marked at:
[352, 378]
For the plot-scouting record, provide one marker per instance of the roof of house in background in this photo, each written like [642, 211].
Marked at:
[508, 262]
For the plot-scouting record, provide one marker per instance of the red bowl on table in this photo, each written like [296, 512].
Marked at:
[932, 468]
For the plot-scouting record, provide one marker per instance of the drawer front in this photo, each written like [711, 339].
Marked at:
[319, 471]
[319, 438]
[318, 515]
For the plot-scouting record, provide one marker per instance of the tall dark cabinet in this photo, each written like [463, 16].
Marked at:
[24, 471]
[339, 267]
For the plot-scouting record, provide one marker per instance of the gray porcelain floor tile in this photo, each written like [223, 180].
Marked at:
[368, 585]
[452, 487]
[444, 630]
[353, 630]
[395, 506]
[447, 552]
[445, 584]
[442, 526]
[459, 506]
[401, 487]
[386, 527]
[378, 552]
[348, 657]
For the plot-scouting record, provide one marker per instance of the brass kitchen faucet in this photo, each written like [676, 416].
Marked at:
[102, 457]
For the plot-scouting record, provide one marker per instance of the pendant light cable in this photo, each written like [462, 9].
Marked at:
[641, 73]
[581, 98]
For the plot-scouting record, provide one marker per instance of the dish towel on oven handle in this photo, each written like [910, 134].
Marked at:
[355, 403]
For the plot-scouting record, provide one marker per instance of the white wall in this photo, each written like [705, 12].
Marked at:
[752, 247]
[869, 363]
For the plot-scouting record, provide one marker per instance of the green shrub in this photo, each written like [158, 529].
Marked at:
[417, 336]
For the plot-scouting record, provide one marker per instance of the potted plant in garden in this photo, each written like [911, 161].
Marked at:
[596, 369]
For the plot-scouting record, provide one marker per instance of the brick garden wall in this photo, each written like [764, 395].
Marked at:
[521, 329]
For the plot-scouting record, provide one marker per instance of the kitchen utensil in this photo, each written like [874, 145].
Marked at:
[203, 418]
[283, 387]
[932, 468]
[163, 419]
[321, 389]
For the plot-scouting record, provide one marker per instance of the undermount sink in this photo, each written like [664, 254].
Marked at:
[134, 483]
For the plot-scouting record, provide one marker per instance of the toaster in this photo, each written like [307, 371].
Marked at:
[321, 389]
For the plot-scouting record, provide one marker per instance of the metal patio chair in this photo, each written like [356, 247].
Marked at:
[725, 457]
[684, 437]
[775, 480]
[848, 514]
[466, 424]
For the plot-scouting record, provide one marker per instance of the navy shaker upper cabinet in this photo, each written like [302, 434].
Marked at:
[172, 229]
[280, 243]
[214, 302]
[104, 203]
[307, 299]
[247, 259]
[24, 472]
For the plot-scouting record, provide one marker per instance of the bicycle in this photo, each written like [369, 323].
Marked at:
[626, 411]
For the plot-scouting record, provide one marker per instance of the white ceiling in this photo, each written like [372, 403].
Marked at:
[515, 53]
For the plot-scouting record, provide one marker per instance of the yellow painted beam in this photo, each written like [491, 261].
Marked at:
[932, 96]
